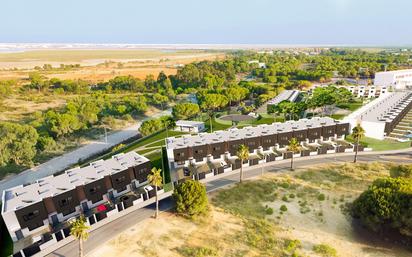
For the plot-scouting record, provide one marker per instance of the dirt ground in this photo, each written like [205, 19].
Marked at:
[167, 235]
[97, 70]
[309, 218]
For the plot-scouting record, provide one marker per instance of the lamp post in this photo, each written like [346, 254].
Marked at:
[163, 168]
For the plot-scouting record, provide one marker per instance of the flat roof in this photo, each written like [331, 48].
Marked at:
[382, 109]
[24, 195]
[289, 95]
[247, 132]
[394, 72]
[189, 123]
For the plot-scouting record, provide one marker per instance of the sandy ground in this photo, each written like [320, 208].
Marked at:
[163, 237]
[95, 70]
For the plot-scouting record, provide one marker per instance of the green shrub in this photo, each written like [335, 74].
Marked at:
[321, 197]
[285, 198]
[283, 208]
[386, 204]
[404, 171]
[189, 251]
[292, 245]
[269, 211]
[284, 185]
[325, 250]
[46, 143]
[191, 198]
[118, 147]
[292, 196]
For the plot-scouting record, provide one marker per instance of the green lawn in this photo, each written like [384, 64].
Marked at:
[351, 106]
[337, 116]
[219, 124]
[146, 141]
[381, 145]
[216, 125]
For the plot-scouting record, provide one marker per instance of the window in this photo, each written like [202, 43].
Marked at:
[142, 171]
[198, 151]
[120, 180]
[65, 202]
[251, 143]
[31, 215]
[180, 154]
[94, 190]
[216, 148]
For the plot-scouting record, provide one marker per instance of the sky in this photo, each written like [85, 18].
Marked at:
[314, 22]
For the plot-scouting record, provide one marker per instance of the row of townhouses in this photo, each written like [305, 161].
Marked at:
[214, 153]
[381, 117]
[36, 214]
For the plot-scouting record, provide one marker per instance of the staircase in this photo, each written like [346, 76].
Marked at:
[403, 128]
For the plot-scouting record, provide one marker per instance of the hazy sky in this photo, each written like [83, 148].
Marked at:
[355, 22]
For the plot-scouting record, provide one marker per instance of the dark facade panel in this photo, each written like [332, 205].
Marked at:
[328, 131]
[32, 216]
[314, 133]
[120, 180]
[284, 138]
[66, 202]
[217, 149]
[342, 129]
[300, 135]
[269, 141]
[95, 190]
[142, 171]
[253, 143]
[233, 146]
[199, 152]
[181, 154]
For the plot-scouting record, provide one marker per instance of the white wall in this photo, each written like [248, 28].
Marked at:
[374, 129]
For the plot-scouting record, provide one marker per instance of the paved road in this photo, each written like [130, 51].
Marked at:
[110, 230]
[66, 160]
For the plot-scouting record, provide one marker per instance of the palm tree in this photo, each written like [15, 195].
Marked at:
[294, 147]
[155, 179]
[79, 229]
[357, 134]
[243, 154]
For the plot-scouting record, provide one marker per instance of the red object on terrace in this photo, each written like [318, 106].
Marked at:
[101, 208]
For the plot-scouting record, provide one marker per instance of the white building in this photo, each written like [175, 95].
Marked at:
[261, 65]
[367, 91]
[190, 126]
[399, 79]
[285, 95]
[380, 116]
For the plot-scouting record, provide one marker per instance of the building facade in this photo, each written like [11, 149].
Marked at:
[380, 116]
[190, 126]
[367, 91]
[398, 80]
[265, 142]
[285, 95]
[30, 211]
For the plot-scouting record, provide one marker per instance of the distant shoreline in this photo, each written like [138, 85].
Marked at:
[19, 47]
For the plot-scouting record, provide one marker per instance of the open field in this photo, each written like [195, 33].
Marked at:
[302, 213]
[99, 65]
